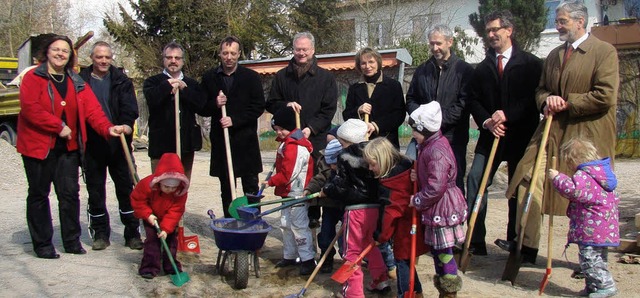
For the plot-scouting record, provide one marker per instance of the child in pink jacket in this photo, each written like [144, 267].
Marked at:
[443, 206]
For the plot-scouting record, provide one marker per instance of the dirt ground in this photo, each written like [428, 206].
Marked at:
[113, 272]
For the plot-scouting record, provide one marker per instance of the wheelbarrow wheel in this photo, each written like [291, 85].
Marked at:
[241, 269]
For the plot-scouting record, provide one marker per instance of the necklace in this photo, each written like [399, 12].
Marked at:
[53, 77]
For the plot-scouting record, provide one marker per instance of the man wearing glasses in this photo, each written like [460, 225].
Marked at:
[579, 87]
[502, 103]
[159, 92]
[310, 90]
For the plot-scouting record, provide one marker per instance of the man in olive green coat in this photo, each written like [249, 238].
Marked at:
[581, 95]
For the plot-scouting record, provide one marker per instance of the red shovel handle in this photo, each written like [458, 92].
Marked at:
[414, 228]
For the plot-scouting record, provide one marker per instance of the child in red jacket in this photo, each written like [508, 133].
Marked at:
[160, 197]
[394, 169]
[294, 169]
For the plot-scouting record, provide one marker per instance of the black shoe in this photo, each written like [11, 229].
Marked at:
[286, 263]
[327, 267]
[577, 274]
[147, 275]
[314, 223]
[134, 243]
[76, 251]
[506, 245]
[307, 267]
[48, 255]
[100, 244]
[478, 249]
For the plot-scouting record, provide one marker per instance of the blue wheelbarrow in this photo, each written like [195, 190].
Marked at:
[238, 242]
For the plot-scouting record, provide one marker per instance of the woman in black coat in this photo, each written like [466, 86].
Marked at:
[377, 95]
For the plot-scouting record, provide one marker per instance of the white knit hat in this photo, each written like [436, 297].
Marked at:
[353, 131]
[426, 118]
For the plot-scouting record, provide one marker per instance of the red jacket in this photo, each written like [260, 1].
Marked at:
[294, 165]
[397, 215]
[41, 108]
[147, 198]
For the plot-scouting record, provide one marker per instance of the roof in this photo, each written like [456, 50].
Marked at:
[332, 62]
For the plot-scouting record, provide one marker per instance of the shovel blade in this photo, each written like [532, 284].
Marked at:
[545, 281]
[465, 258]
[180, 278]
[301, 294]
[248, 213]
[235, 204]
[512, 268]
[188, 243]
[345, 271]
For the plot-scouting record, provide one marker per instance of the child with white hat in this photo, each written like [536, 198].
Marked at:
[442, 204]
[357, 187]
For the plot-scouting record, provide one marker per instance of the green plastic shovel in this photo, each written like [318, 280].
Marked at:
[179, 278]
[244, 201]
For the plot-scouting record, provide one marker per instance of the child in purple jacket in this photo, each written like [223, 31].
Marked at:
[592, 212]
[442, 204]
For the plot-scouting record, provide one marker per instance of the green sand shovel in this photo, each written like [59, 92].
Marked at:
[179, 278]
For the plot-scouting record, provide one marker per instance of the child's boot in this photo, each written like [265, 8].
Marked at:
[448, 287]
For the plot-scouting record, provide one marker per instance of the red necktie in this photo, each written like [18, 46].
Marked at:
[567, 54]
[500, 67]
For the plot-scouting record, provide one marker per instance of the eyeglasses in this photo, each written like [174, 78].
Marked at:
[66, 51]
[561, 22]
[494, 29]
[177, 58]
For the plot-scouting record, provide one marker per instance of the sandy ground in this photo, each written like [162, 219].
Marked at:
[113, 272]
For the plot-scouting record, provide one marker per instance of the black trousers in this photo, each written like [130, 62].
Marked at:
[97, 161]
[61, 168]
[249, 186]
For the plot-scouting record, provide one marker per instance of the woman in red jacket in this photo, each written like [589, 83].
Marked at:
[394, 169]
[55, 106]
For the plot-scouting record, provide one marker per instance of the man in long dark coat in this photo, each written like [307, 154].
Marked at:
[239, 90]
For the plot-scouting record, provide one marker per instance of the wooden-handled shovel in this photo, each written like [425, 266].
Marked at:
[348, 268]
[547, 275]
[512, 268]
[127, 155]
[185, 243]
[319, 265]
[466, 256]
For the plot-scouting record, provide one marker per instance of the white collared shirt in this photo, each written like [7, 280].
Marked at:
[181, 77]
[580, 40]
[506, 55]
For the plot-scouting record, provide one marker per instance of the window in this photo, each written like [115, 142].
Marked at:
[551, 14]
[421, 24]
[379, 34]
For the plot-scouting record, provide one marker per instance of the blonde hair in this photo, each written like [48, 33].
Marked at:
[384, 153]
[578, 150]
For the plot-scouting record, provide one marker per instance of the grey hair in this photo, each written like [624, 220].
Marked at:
[443, 29]
[100, 44]
[575, 9]
[173, 45]
[305, 34]
[505, 17]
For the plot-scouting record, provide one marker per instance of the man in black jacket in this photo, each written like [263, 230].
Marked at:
[159, 92]
[502, 103]
[117, 97]
[239, 90]
[310, 90]
[444, 78]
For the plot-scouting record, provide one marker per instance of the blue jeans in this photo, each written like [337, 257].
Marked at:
[330, 218]
[403, 278]
[387, 255]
